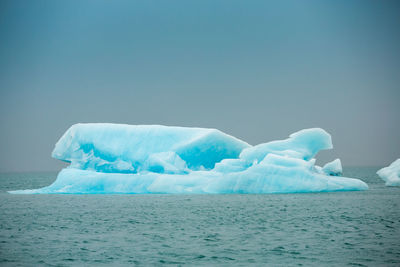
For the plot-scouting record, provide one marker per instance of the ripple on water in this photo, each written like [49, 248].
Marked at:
[344, 228]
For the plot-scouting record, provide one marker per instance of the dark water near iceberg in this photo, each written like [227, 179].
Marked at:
[342, 228]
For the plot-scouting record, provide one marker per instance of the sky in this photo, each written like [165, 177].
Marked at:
[258, 70]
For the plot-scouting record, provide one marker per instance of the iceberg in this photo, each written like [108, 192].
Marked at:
[391, 174]
[147, 159]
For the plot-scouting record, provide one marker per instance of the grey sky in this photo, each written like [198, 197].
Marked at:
[258, 70]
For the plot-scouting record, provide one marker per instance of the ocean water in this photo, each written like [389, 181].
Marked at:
[314, 229]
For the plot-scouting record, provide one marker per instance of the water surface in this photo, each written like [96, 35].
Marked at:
[340, 228]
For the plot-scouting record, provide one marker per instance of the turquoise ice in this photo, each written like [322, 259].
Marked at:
[114, 158]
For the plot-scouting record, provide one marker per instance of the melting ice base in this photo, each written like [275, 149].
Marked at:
[391, 174]
[114, 158]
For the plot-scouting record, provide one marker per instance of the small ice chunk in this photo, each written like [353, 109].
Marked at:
[391, 174]
[333, 168]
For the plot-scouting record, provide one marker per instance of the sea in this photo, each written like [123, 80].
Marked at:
[303, 229]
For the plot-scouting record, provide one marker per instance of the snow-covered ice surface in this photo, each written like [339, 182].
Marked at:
[391, 174]
[115, 158]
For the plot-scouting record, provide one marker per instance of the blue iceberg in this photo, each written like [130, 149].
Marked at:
[141, 159]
